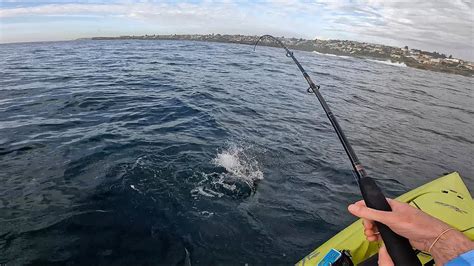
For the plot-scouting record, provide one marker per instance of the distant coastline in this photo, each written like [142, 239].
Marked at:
[410, 57]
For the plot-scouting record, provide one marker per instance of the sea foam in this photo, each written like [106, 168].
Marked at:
[388, 62]
[332, 55]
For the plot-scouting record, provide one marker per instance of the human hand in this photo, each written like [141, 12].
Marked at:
[419, 228]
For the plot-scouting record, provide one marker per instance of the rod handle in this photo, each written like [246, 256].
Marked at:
[397, 246]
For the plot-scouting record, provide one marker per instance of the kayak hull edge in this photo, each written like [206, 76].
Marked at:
[446, 198]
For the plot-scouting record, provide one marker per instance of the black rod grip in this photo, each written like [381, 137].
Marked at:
[398, 247]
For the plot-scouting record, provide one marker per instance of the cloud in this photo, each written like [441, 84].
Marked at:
[444, 26]
[71, 9]
[432, 25]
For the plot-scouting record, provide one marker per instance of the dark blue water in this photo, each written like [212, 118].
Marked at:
[170, 152]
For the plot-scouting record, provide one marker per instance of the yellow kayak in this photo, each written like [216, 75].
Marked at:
[446, 198]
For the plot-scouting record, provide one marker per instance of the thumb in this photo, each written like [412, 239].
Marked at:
[369, 213]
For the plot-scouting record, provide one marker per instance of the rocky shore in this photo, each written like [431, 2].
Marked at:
[411, 57]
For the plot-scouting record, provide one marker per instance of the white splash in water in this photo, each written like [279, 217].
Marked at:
[332, 55]
[237, 163]
[240, 170]
[207, 192]
[388, 62]
[136, 189]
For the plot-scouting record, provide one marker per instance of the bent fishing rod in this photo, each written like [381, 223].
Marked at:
[398, 247]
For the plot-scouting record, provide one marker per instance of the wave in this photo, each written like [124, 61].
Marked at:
[387, 62]
[332, 55]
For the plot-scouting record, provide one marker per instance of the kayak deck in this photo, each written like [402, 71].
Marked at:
[446, 198]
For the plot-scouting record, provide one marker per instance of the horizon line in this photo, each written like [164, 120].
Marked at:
[285, 37]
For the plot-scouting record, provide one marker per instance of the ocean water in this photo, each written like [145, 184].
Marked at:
[178, 153]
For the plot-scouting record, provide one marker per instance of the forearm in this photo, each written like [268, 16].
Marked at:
[450, 246]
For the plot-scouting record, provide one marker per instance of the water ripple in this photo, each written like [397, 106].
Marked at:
[146, 152]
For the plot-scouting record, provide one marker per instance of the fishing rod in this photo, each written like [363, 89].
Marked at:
[398, 247]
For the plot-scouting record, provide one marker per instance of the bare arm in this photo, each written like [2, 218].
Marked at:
[420, 228]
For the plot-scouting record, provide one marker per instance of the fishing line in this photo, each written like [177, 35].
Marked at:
[398, 247]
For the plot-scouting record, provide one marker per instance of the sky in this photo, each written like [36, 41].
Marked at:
[444, 26]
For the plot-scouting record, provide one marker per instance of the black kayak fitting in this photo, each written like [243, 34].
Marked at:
[398, 247]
